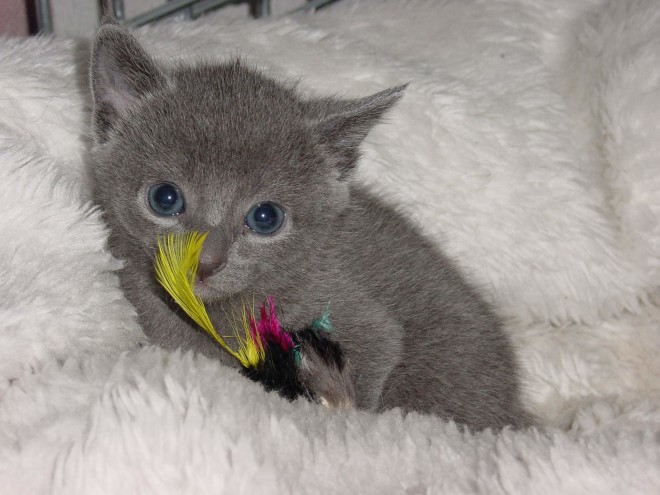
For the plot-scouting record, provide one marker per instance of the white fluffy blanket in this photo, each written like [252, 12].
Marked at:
[528, 146]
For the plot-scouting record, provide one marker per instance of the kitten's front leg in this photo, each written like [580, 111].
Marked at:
[164, 324]
[373, 343]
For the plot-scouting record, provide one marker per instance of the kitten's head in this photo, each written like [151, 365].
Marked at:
[220, 149]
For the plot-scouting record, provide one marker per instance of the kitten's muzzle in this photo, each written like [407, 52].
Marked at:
[209, 265]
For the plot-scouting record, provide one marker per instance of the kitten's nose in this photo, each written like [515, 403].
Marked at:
[209, 264]
[214, 253]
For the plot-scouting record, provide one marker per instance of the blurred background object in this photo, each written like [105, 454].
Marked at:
[14, 18]
[82, 17]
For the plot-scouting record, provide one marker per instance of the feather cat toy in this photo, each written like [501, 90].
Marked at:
[302, 363]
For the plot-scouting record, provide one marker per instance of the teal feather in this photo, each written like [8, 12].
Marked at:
[323, 323]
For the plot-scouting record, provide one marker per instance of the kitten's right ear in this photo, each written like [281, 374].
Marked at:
[121, 73]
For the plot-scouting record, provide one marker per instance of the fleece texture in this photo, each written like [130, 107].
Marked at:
[527, 147]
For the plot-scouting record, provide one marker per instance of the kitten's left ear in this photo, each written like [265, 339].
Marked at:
[121, 74]
[346, 123]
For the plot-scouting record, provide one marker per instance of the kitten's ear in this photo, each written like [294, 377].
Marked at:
[121, 73]
[346, 123]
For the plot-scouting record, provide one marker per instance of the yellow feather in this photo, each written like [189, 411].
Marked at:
[177, 262]
[251, 350]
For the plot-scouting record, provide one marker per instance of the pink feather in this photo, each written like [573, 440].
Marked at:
[269, 328]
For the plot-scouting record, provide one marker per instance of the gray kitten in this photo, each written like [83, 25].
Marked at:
[268, 173]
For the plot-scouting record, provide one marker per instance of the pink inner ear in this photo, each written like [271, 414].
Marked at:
[113, 88]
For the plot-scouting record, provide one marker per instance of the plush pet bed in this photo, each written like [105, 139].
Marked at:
[527, 146]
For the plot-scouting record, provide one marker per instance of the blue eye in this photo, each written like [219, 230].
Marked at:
[265, 218]
[165, 199]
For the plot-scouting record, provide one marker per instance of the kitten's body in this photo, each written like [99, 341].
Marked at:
[416, 335]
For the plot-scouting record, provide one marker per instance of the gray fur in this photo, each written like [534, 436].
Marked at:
[417, 336]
